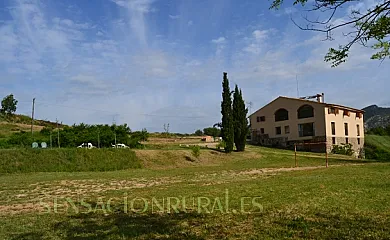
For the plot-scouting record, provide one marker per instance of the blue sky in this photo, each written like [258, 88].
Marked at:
[150, 62]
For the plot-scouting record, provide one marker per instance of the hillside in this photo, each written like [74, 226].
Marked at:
[377, 147]
[376, 117]
[18, 123]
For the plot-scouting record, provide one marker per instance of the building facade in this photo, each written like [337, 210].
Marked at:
[312, 125]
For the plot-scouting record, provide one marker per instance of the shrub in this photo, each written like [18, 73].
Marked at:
[344, 149]
[195, 151]
[220, 145]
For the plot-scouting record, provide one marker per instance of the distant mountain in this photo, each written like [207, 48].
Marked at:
[376, 117]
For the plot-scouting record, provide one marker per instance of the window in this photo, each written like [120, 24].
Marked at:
[262, 130]
[260, 118]
[346, 113]
[358, 130]
[346, 140]
[306, 111]
[333, 140]
[306, 130]
[359, 115]
[287, 129]
[333, 128]
[281, 115]
[346, 129]
[358, 141]
[333, 110]
[278, 130]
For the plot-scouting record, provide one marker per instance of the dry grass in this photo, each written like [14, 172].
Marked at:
[168, 159]
[7, 128]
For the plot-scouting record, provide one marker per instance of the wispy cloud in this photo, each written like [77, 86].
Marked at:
[173, 17]
[137, 9]
[134, 61]
[219, 40]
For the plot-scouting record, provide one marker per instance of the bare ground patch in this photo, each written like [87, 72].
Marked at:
[168, 159]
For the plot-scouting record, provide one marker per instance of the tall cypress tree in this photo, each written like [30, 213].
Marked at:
[239, 119]
[227, 117]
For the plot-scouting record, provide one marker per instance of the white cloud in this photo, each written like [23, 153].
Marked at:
[290, 10]
[219, 40]
[142, 6]
[190, 23]
[173, 17]
[136, 12]
[260, 34]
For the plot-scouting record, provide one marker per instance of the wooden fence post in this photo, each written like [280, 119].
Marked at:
[296, 161]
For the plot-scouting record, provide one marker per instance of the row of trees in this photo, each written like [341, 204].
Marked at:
[209, 131]
[99, 135]
[234, 126]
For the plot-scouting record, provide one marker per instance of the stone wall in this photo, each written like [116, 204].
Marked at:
[357, 148]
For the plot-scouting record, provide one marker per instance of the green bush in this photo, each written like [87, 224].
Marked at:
[195, 151]
[344, 149]
[221, 144]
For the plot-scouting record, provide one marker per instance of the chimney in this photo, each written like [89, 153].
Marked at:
[321, 98]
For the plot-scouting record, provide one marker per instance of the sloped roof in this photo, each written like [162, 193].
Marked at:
[312, 102]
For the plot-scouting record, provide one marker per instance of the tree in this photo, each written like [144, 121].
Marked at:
[370, 25]
[240, 122]
[227, 117]
[8, 104]
[212, 131]
[198, 132]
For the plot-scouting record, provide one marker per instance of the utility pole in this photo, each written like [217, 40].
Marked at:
[115, 138]
[114, 122]
[32, 118]
[250, 107]
[58, 134]
[98, 138]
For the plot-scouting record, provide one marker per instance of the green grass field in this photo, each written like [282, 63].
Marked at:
[382, 142]
[257, 194]
[378, 147]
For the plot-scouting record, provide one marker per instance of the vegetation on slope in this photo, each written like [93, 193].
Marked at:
[66, 160]
[377, 147]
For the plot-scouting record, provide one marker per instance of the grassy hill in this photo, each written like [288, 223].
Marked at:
[17, 123]
[378, 147]
[10, 125]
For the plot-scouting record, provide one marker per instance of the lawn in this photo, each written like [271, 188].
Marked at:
[257, 194]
